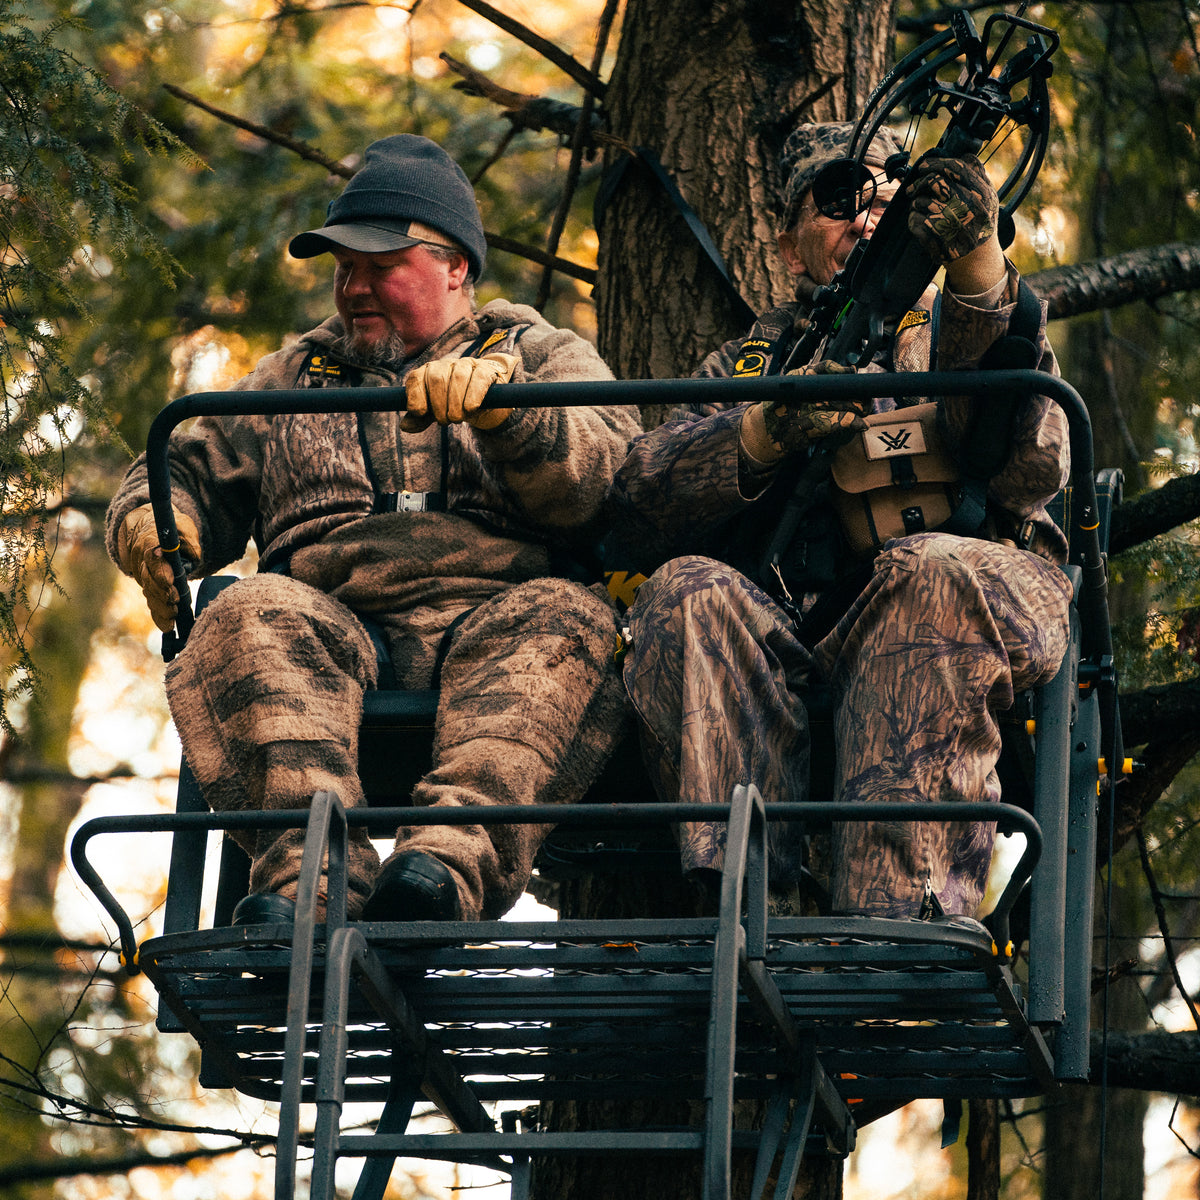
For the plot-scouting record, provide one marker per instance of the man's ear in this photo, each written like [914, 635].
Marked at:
[458, 272]
[789, 247]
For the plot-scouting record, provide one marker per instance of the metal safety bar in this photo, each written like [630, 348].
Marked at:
[779, 389]
[1085, 525]
[818, 814]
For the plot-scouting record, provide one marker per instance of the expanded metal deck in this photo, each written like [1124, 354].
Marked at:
[592, 1010]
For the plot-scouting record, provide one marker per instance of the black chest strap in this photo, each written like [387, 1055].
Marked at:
[987, 442]
[390, 502]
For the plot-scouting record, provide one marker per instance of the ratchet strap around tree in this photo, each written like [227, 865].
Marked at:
[612, 180]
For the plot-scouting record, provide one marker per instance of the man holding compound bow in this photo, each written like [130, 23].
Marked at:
[919, 643]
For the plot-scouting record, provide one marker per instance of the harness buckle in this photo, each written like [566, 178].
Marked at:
[412, 501]
[389, 502]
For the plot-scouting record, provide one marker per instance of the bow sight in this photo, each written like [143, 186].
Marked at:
[996, 106]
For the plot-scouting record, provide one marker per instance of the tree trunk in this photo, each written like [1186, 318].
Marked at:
[1076, 1113]
[32, 1017]
[983, 1150]
[616, 896]
[712, 91]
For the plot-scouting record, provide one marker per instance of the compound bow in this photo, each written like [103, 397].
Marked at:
[996, 96]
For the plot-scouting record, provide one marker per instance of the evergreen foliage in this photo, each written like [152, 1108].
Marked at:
[67, 213]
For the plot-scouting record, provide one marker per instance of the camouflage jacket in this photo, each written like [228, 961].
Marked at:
[681, 491]
[307, 487]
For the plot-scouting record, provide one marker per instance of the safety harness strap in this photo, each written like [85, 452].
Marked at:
[988, 439]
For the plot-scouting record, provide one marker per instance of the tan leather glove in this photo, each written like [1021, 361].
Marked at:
[954, 206]
[793, 427]
[139, 555]
[451, 391]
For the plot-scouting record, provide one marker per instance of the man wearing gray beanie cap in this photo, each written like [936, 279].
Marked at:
[406, 185]
[409, 548]
[919, 637]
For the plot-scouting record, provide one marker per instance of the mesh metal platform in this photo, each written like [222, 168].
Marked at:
[588, 1010]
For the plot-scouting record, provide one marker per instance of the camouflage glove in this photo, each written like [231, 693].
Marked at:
[451, 391]
[954, 206]
[794, 427]
[139, 555]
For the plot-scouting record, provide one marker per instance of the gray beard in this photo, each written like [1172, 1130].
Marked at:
[387, 351]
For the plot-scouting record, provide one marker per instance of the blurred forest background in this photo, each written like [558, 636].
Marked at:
[155, 159]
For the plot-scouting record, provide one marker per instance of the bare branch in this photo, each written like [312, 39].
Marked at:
[1155, 512]
[580, 141]
[29, 1088]
[574, 270]
[24, 773]
[66, 1168]
[303, 149]
[526, 111]
[1160, 913]
[476, 83]
[496, 241]
[586, 79]
[1145, 274]
[926, 24]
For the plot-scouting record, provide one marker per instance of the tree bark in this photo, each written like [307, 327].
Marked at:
[713, 90]
[1162, 721]
[1118, 279]
[983, 1150]
[1154, 1062]
[1076, 1114]
[30, 1026]
[1155, 512]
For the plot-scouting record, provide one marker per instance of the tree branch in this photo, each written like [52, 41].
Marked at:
[1154, 512]
[67, 1168]
[1160, 913]
[1165, 712]
[560, 58]
[1162, 758]
[526, 111]
[1153, 1062]
[305, 151]
[1118, 279]
[581, 141]
[533, 254]
[25, 773]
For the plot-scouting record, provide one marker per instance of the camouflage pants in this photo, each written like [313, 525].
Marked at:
[945, 633]
[267, 699]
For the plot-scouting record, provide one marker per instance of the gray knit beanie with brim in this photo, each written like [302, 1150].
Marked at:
[812, 146]
[403, 179]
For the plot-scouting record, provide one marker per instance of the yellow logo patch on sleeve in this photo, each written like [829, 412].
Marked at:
[752, 360]
[915, 316]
